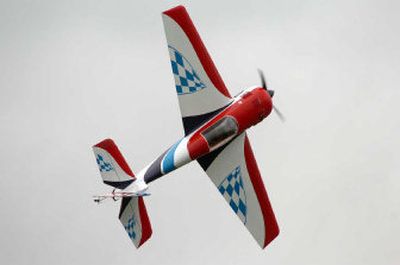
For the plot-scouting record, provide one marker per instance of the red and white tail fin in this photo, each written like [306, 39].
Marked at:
[115, 172]
[113, 168]
[134, 218]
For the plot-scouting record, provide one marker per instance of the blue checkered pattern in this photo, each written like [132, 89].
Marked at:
[186, 79]
[103, 165]
[233, 191]
[130, 227]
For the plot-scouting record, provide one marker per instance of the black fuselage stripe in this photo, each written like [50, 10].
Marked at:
[154, 171]
[191, 123]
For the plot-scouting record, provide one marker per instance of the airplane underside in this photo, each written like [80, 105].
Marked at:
[215, 125]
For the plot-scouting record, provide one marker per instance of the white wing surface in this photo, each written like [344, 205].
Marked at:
[233, 170]
[198, 84]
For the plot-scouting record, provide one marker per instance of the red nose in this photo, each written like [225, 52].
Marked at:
[266, 101]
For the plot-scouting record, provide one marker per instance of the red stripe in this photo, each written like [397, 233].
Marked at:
[113, 150]
[270, 224]
[181, 16]
[145, 221]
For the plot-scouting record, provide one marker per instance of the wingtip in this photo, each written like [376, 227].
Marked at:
[176, 9]
[271, 237]
[105, 142]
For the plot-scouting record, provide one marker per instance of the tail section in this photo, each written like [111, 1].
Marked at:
[113, 168]
[115, 172]
[134, 218]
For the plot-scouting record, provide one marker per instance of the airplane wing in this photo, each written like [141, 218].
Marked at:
[200, 89]
[233, 170]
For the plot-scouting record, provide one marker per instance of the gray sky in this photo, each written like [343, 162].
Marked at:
[73, 72]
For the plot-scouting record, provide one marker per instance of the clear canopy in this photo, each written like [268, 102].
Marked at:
[221, 132]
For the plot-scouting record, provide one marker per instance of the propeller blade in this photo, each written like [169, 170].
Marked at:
[263, 83]
[279, 113]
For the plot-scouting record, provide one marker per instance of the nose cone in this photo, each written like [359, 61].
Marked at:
[266, 101]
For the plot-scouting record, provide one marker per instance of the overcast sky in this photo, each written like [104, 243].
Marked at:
[73, 72]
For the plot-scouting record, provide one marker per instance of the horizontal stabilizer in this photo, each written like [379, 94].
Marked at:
[134, 218]
[113, 168]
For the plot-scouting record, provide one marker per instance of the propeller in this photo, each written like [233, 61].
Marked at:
[271, 94]
[279, 113]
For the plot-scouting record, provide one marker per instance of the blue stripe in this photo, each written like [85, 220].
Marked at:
[168, 163]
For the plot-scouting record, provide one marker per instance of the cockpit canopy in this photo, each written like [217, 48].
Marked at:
[221, 132]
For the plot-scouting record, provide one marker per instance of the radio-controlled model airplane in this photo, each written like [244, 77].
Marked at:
[215, 125]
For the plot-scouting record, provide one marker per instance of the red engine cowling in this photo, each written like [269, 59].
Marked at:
[254, 106]
[250, 109]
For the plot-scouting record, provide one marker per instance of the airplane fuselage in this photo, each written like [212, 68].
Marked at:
[247, 109]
